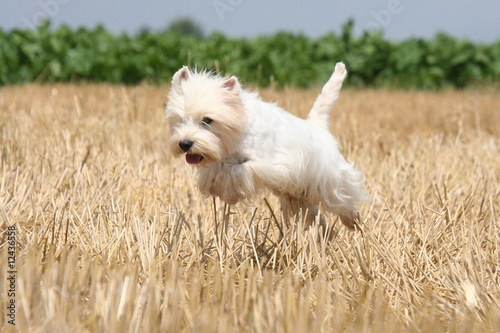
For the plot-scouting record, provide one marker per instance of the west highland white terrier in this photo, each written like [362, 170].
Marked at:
[242, 144]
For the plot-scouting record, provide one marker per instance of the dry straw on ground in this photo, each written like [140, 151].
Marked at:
[112, 235]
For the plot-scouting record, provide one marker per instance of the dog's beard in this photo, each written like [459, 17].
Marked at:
[205, 149]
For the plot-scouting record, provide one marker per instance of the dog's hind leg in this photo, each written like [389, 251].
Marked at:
[294, 209]
[351, 220]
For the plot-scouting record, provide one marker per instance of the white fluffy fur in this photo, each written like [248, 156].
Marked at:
[251, 144]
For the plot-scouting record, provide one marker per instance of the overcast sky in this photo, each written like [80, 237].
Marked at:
[477, 20]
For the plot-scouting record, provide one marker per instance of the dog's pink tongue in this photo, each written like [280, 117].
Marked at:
[193, 158]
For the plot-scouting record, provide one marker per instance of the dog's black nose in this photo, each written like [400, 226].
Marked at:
[185, 145]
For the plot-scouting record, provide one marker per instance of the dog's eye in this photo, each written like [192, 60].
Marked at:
[207, 121]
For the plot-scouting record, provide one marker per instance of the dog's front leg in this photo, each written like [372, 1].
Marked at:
[231, 182]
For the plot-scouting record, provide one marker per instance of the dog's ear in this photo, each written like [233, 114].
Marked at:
[182, 74]
[232, 84]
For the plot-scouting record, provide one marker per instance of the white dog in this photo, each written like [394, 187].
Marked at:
[243, 144]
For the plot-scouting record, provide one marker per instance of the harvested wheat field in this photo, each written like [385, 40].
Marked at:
[111, 234]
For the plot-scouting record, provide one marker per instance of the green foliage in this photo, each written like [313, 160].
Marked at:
[185, 26]
[63, 54]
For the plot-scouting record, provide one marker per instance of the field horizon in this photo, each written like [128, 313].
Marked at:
[112, 235]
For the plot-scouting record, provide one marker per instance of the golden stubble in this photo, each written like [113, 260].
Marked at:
[112, 234]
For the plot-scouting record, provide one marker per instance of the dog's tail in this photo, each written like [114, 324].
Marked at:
[320, 112]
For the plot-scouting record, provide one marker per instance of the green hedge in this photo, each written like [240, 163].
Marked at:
[63, 54]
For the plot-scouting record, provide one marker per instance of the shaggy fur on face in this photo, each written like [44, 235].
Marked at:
[206, 111]
[243, 144]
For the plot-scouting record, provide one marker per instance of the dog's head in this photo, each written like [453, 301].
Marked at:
[206, 116]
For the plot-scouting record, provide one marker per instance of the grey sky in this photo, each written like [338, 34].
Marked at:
[476, 20]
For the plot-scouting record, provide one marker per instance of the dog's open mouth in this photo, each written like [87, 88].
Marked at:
[194, 158]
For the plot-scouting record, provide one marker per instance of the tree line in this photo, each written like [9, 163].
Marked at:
[95, 55]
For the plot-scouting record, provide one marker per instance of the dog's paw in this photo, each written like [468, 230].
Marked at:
[351, 221]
